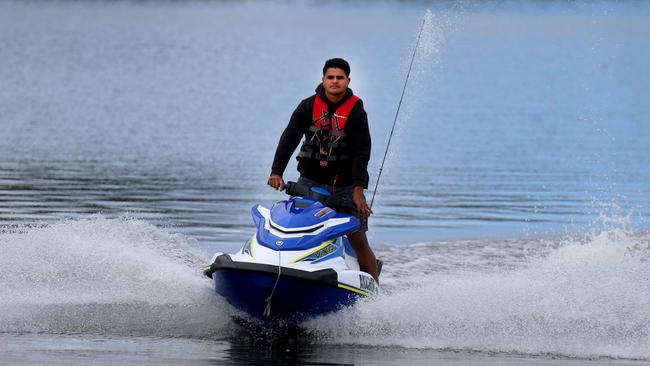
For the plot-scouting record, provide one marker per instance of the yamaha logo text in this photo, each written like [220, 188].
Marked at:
[368, 284]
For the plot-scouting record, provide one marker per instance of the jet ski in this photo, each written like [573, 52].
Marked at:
[299, 263]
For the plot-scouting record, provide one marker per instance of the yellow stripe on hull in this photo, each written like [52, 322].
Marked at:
[353, 289]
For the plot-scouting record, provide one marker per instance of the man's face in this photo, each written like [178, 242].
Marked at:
[335, 82]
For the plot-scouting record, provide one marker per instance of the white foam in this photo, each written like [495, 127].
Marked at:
[117, 276]
[588, 297]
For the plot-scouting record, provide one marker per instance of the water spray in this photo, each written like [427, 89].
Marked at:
[399, 105]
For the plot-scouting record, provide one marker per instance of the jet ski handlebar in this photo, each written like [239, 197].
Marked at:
[337, 203]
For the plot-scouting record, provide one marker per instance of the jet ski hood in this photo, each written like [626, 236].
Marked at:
[299, 223]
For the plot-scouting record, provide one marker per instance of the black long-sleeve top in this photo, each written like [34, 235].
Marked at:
[353, 171]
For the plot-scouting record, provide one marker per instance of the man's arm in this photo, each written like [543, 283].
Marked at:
[359, 200]
[360, 145]
[287, 145]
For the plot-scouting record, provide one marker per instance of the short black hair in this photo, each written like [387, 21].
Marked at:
[337, 63]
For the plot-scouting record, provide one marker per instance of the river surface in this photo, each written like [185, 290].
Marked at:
[511, 213]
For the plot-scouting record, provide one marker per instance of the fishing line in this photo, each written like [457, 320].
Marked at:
[408, 74]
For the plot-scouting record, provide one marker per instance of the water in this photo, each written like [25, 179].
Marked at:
[511, 214]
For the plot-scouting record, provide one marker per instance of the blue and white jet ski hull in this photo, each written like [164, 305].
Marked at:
[299, 264]
[297, 295]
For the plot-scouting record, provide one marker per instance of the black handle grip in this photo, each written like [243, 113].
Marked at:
[338, 203]
[296, 189]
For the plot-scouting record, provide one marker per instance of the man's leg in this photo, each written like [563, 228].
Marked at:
[365, 255]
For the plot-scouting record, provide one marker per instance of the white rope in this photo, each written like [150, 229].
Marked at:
[267, 309]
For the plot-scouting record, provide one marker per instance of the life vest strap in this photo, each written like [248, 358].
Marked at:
[324, 132]
[316, 155]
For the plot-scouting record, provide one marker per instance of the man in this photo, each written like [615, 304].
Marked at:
[336, 149]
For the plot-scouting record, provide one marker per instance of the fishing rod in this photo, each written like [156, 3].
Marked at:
[408, 74]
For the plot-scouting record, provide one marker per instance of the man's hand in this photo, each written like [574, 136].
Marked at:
[276, 181]
[360, 201]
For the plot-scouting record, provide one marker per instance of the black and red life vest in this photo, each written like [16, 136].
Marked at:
[328, 142]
